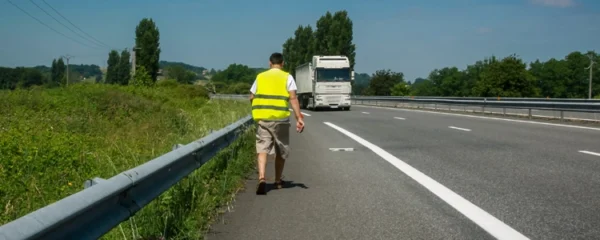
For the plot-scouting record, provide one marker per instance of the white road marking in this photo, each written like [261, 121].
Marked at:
[399, 118]
[303, 113]
[489, 223]
[590, 153]
[342, 149]
[491, 118]
[462, 129]
[365, 112]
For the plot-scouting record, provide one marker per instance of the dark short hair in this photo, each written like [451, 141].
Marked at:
[276, 58]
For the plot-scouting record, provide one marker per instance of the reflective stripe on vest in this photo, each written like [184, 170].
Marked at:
[271, 99]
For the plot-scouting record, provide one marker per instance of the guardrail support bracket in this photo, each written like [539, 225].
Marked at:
[176, 146]
[91, 182]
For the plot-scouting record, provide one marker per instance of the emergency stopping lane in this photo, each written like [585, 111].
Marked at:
[528, 177]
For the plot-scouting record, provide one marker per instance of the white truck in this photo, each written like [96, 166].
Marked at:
[325, 82]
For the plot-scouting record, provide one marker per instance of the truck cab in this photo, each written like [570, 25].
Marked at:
[325, 82]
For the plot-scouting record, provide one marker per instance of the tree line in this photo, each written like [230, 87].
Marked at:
[333, 36]
[54, 76]
[493, 77]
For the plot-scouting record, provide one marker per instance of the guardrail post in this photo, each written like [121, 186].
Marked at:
[562, 115]
[435, 106]
[530, 113]
[504, 111]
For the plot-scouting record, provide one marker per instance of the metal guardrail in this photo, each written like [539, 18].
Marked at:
[230, 96]
[104, 204]
[515, 104]
[567, 105]
[511, 99]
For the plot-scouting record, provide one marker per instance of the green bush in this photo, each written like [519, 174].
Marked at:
[52, 140]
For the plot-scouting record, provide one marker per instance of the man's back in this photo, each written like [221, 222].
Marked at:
[272, 91]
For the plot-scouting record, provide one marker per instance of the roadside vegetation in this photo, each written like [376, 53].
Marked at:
[53, 139]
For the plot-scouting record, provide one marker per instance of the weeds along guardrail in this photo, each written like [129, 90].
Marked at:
[105, 203]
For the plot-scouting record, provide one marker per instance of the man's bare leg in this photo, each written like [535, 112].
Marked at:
[279, 163]
[262, 165]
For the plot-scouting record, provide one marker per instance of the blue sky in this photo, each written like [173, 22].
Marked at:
[412, 37]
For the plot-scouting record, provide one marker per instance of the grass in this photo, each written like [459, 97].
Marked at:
[52, 140]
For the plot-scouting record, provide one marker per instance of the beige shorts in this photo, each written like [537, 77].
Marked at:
[273, 136]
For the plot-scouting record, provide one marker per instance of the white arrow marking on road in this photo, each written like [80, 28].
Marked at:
[489, 223]
[590, 153]
[341, 149]
[462, 129]
[399, 118]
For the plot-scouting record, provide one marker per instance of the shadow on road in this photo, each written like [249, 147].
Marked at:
[286, 184]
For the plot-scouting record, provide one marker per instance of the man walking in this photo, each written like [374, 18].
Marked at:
[270, 94]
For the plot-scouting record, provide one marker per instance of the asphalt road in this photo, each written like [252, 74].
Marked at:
[427, 175]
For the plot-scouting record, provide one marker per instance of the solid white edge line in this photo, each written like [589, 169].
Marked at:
[462, 129]
[489, 223]
[590, 153]
[399, 118]
[491, 118]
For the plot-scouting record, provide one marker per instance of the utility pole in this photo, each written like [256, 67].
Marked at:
[68, 57]
[133, 59]
[591, 68]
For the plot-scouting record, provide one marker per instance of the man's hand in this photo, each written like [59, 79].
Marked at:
[297, 113]
[299, 125]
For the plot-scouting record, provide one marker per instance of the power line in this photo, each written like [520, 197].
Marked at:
[78, 34]
[65, 18]
[49, 26]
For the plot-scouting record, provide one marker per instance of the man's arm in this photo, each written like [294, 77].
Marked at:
[295, 104]
[252, 91]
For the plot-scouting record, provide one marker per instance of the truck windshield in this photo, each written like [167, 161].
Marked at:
[333, 75]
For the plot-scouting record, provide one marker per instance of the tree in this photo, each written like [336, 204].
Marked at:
[423, 87]
[147, 40]
[124, 68]
[383, 81]
[235, 73]
[112, 70]
[448, 81]
[180, 74]
[142, 78]
[506, 78]
[401, 89]
[333, 36]
[57, 75]
[361, 83]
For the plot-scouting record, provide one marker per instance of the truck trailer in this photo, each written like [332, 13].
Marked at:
[325, 82]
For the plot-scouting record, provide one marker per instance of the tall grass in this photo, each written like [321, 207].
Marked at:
[52, 140]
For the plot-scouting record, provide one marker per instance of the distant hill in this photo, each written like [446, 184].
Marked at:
[198, 70]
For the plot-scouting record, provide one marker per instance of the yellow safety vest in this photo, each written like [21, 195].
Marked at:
[271, 98]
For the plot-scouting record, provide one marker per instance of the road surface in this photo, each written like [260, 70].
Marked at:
[426, 175]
